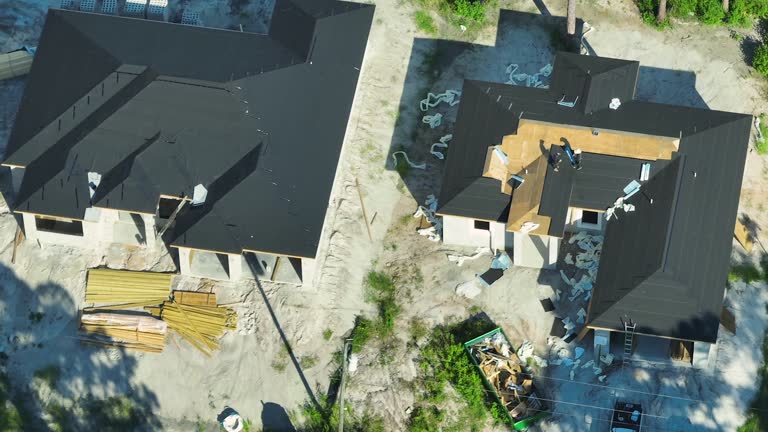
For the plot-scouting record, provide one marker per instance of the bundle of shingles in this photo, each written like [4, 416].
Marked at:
[193, 315]
[505, 372]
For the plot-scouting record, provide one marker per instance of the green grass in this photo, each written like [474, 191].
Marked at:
[326, 419]
[418, 329]
[327, 334]
[49, 374]
[444, 361]
[280, 362]
[382, 292]
[59, 417]
[425, 418]
[424, 22]
[361, 334]
[10, 417]
[744, 272]
[308, 362]
[762, 144]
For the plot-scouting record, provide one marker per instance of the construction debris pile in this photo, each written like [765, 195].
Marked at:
[431, 225]
[586, 264]
[506, 374]
[116, 318]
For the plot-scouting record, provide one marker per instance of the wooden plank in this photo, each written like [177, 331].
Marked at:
[194, 298]
[742, 236]
[16, 242]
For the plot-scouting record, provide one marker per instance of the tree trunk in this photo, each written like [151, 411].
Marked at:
[571, 17]
[662, 15]
[726, 5]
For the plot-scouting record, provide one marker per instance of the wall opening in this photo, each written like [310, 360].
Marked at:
[166, 207]
[59, 226]
[482, 225]
[590, 217]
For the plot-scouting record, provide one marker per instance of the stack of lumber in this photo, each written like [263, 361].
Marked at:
[196, 317]
[139, 332]
[121, 289]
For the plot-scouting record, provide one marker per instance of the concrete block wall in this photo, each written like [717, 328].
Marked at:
[461, 231]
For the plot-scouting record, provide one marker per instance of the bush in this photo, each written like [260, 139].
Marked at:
[10, 418]
[361, 334]
[425, 22]
[757, 8]
[117, 413]
[683, 8]
[710, 11]
[760, 62]
[738, 14]
[470, 9]
[425, 419]
[382, 292]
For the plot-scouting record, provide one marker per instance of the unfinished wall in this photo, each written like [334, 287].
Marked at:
[573, 222]
[701, 355]
[461, 231]
[535, 251]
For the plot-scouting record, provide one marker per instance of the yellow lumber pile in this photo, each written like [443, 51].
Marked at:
[201, 325]
[121, 289]
[139, 332]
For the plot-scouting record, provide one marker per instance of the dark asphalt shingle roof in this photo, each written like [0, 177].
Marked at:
[664, 265]
[158, 108]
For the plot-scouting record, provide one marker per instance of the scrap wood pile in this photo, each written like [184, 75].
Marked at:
[506, 373]
[197, 318]
[108, 322]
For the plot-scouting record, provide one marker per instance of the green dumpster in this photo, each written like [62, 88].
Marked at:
[520, 415]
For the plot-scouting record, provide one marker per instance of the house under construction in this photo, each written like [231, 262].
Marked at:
[222, 144]
[528, 165]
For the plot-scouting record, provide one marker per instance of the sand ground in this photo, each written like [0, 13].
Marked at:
[252, 372]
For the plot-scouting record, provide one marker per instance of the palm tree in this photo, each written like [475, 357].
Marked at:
[571, 17]
[662, 15]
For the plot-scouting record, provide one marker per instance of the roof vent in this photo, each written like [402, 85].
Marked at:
[615, 104]
[199, 194]
[94, 179]
[562, 102]
[501, 155]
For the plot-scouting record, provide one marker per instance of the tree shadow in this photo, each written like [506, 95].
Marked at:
[275, 418]
[39, 326]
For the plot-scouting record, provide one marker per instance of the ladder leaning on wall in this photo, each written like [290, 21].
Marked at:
[629, 338]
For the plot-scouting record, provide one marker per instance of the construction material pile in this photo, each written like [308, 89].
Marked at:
[197, 318]
[506, 374]
[138, 332]
[109, 321]
[120, 289]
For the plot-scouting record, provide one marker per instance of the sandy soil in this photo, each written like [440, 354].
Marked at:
[252, 371]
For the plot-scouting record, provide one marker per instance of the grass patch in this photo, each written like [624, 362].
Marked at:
[49, 374]
[426, 418]
[424, 22]
[741, 13]
[308, 362]
[361, 334]
[10, 417]
[382, 292]
[443, 361]
[761, 145]
[326, 419]
[418, 329]
[280, 362]
[744, 272]
[327, 334]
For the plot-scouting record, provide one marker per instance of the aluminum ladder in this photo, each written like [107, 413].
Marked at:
[629, 338]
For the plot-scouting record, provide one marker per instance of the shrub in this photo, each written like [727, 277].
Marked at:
[425, 22]
[757, 8]
[738, 14]
[760, 62]
[470, 9]
[710, 11]
[425, 419]
[10, 418]
[683, 8]
[361, 334]
[382, 291]
[744, 272]
[117, 413]
[327, 334]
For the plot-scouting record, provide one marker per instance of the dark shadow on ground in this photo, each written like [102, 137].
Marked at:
[668, 86]
[288, 347]
[275, 418]
[39, 329]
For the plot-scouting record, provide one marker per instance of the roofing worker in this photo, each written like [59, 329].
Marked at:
[573, 156]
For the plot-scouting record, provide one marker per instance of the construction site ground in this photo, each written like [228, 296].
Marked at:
[687, 65]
